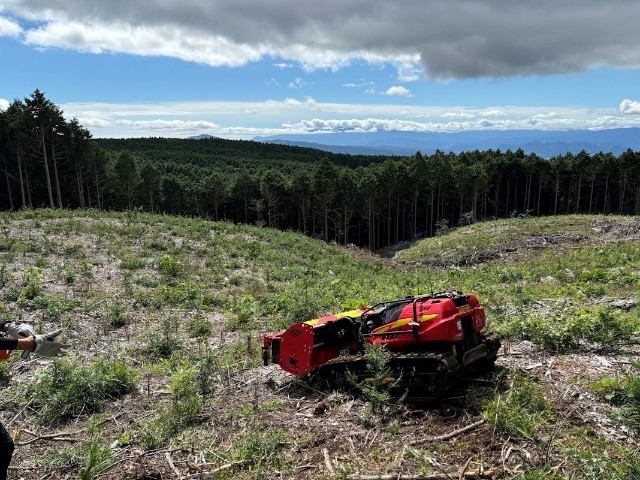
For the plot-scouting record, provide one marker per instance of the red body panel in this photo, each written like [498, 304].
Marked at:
[303, 347]
[438, 319]
[407, 324]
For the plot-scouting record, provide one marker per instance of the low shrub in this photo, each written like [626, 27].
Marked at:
[186, 405]
[623, 391]
[71, 388]
[567, 327]
[520, 412]
[261, 448]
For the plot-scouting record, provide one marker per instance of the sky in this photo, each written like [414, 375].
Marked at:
[247, 68]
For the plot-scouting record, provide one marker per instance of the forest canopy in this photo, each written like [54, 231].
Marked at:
[372, 201]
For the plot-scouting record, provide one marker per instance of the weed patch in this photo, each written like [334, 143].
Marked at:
[623, 392]
[565, 327]
[520, 412]
[186, 405]
[71, 388]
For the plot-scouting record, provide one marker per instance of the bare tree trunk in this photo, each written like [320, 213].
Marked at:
[326, 223]
[496, 197]
[557, 189]
[80, 184]
[46, 168]
[389, 219]
[6, 176]
[431, 215]
[27, 184]
[622, 195]
[345, 226]
[97, 182]
[397, 232]
[506, 206]
[55, 173]
[22, 195]
[415, 211]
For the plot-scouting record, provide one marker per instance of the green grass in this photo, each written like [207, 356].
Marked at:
[521, 411]
[71, 388]
[179, 306]
[497, 235]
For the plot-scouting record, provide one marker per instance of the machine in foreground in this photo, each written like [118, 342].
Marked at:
[432, 339]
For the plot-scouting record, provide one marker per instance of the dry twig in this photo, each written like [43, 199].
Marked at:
[167, 455]
[54, 437]
[327, 462]
[479, 475]
[450, 435]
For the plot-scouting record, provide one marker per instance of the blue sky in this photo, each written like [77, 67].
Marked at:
[246, 68]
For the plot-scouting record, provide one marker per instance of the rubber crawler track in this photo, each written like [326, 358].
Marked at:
[421, 376]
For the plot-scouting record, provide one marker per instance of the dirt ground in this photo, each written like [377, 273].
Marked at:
[332, 434]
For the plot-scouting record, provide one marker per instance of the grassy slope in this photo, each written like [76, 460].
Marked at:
[136, 287]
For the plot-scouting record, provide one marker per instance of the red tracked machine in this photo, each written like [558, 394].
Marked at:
[432, 338]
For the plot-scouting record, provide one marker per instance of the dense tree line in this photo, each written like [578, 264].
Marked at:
[46, 160]
[372, 201]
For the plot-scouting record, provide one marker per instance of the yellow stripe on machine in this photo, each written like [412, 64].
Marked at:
[406, 321]
[350, 313]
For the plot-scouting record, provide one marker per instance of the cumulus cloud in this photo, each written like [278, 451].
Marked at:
[4, 104]
[461, 115]
[143, 40]
[493, 112]
[439, 38]
[308, 101]
[409, 72]
[398, 91]
[630, 107]
[9, 28]
[165, 125]
[306, 115]
[546, 116]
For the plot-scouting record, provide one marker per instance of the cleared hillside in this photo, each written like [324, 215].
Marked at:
[165, 315]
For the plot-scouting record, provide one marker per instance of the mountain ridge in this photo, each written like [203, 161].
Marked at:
[546, 143]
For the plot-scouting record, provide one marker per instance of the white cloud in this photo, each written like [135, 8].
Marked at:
[500, 38]
[308, 101]
[297, 83]
[630, 107]
[360, 84]
[248, 119]
[461, 115]
[546, 116]
[165, 125]
[9, 28]
[493, 112]
[4, 104]
[410, 72]
[399, 91]
[165, 40]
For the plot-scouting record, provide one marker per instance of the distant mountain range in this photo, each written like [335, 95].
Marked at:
[546, 143]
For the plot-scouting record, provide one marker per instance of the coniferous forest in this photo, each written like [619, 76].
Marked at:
[372, 201]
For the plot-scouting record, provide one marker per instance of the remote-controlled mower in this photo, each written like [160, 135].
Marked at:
[431, 339]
